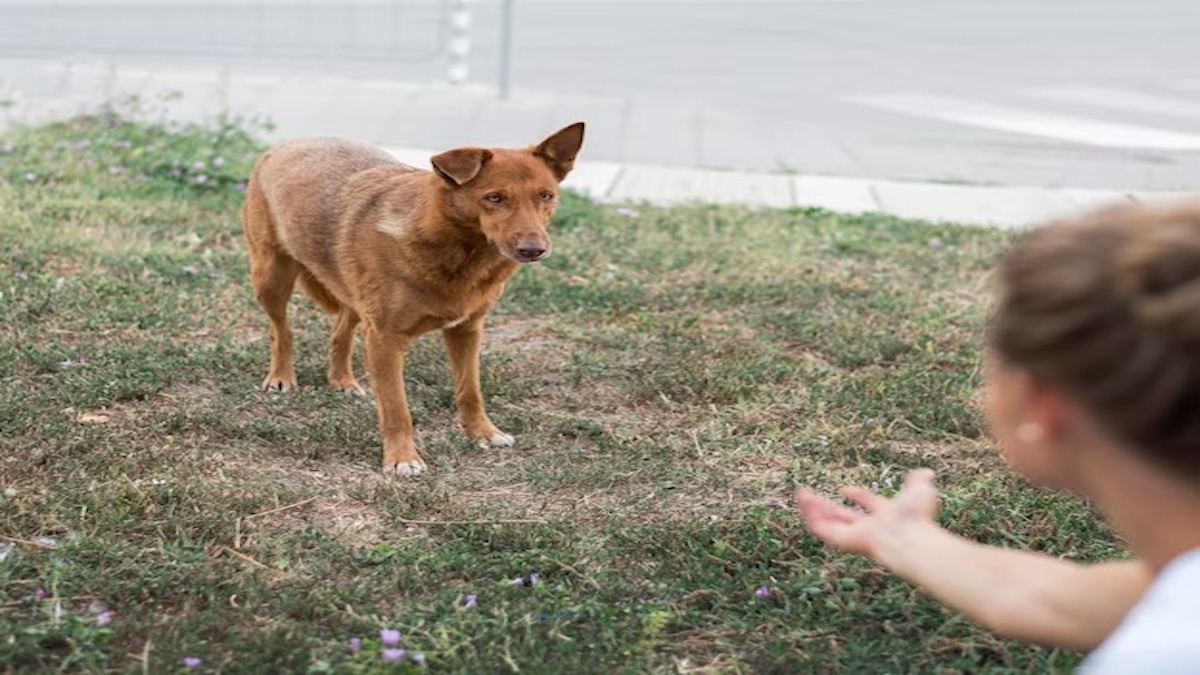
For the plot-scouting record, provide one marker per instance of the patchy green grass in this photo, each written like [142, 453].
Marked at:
[671, 374]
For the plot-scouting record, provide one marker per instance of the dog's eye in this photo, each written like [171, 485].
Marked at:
[547, 196]
[495, 198]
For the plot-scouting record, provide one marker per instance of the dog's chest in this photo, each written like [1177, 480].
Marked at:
[463, 296]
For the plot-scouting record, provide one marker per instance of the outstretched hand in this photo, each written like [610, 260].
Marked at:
[882, 518]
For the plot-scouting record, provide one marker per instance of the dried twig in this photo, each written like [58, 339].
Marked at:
[26, 542]
[515, 521]
[243, 557]
[286, 507]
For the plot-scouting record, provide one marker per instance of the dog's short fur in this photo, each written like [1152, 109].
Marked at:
[403, 252]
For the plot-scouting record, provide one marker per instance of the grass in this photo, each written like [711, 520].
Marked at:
[672, 374]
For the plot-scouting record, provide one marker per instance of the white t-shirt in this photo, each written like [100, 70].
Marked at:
[1161, 634]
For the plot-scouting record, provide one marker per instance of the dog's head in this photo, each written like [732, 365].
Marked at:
[511, 193]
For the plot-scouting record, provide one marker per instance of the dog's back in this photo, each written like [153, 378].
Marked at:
[296, 198]
[300, 185]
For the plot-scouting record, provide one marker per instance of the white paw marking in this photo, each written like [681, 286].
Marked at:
[357, 390]
[406, 468]
[500, 440]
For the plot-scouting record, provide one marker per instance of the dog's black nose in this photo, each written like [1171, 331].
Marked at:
[531, 252]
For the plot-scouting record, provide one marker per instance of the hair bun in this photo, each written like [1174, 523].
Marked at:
[1158, 272]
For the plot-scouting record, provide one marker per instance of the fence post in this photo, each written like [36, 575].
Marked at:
[459, 46]
[506, 47]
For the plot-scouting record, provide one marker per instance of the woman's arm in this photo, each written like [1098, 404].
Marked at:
[1022, 595]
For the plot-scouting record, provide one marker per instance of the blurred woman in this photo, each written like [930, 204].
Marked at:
[1093, 387]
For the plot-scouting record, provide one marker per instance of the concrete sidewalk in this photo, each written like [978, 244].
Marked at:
[1010, 207]
[390, 113]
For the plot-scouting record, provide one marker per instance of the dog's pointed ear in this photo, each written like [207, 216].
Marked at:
[460, 165]
[559, 150]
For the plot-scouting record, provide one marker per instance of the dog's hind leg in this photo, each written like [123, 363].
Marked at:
[274, 276]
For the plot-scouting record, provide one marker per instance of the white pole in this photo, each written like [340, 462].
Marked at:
[459, 46]
[506, 48]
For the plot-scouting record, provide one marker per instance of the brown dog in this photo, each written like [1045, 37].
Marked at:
[403, 251]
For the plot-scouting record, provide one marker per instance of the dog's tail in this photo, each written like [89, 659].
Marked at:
[318, 293]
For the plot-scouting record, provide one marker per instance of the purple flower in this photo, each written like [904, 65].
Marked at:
[30, 176]
[192, 661]
[874, 486]
[199, 164]
[763, 592]
[8, 149]
[887, 482]
[418, 659]
[627, 212]
[534, 578]
[389, 637]
[355, 644]
[394, 655]
[71, 363]
[174, 173]
[104, 618]
[201, 179]
[116, 170]
[122, 144]
[471, 601]
[218, 161]
[40, 594]
[81, 144]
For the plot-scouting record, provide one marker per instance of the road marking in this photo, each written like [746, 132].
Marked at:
[1033, 123]
[1119, 99]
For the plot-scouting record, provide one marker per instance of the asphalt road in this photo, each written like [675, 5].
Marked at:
[1095, 93]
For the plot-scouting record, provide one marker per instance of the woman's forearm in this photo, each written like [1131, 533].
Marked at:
[1022, 595]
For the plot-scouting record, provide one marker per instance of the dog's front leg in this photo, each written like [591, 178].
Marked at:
[463, 343]
[385, 365]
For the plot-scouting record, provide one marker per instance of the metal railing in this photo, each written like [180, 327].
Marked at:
[409, 32]
[346, 29]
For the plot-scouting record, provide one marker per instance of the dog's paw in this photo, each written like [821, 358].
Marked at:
[350, 387]
[496, 440]
[415, 468]
[278, 384]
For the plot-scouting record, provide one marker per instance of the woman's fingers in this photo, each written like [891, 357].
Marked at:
[919, 477]
[919, 495]
[814, 507]
[864, 498]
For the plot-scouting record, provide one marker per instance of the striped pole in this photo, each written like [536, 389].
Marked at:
[506, 48]
[459, 46]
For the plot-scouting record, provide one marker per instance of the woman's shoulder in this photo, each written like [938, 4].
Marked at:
[1160, 634]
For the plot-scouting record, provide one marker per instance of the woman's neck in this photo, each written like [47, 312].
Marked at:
[1157, 513]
